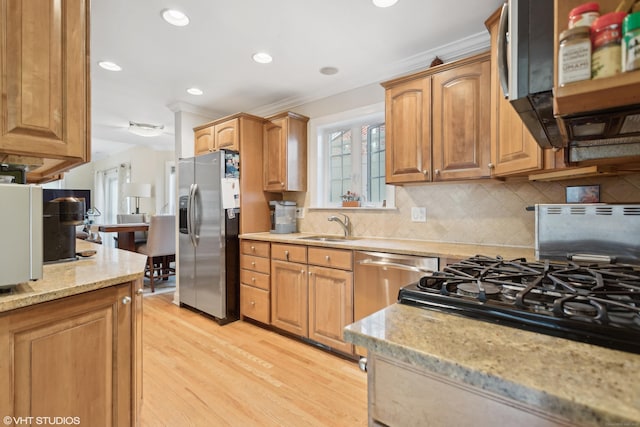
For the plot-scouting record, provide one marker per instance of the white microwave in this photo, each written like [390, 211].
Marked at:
[20, 234]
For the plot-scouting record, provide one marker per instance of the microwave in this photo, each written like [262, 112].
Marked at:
[21, 250]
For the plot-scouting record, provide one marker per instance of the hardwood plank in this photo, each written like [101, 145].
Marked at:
[197, 373]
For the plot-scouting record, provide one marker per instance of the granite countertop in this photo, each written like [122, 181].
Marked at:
[590, 385]
[108, 267]
[400, 246]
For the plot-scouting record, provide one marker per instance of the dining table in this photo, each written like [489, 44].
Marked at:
[126, 233]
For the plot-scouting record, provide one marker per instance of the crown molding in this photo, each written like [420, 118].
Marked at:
[467, 46]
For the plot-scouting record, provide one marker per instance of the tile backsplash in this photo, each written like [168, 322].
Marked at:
[486, 213]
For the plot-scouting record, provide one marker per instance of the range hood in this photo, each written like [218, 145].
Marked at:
[526, 67]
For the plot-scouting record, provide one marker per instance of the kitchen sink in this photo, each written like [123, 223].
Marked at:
[328, 238]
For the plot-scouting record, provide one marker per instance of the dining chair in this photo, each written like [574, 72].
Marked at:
[160, 248]
[140, 237]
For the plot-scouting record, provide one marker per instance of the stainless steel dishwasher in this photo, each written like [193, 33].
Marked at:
[378, 277]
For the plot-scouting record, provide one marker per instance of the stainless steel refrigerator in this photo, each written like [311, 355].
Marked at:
[208, 261]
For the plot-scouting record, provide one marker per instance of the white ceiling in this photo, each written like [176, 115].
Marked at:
[367, 44]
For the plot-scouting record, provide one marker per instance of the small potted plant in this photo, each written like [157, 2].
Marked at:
[350, 200]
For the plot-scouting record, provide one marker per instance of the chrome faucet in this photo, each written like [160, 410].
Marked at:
[345, 224]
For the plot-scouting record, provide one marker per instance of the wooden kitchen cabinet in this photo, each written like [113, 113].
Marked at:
[289, 289]
[408, 127]
[45, 108]
[217, 136]
[204, 140]
[437, 123]
[285, 152]
[312, 293]
[513, 149]
[461, 115]
[393, 386]
[330, 296]
[79, 356]
[255, 284]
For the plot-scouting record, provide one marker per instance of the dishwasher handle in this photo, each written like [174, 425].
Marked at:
[395, 265]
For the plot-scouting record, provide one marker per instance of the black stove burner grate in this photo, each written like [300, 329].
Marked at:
[598, 304]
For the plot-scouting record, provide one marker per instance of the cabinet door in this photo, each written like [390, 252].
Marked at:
[330, 306]
[513, 148]
[71, 357]
[461, 122]
[289, 297]
[408, 127]
[204, 140]
[275, 166]
[227, 135]
[45, 86]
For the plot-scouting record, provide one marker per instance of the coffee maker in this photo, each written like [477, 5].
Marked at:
[60, 218]
[283, 216]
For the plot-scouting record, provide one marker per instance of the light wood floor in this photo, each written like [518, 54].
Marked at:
[197, 373]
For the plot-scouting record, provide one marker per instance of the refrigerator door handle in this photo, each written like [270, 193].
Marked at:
[190, 212]
[195, 219]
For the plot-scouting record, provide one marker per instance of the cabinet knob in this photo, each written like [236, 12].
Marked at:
[362, 364]
[253, 303]
[282, 184]
[327, 257]
[437, 171]
[140, 291]
[253, 248]
[286, 255]
[301, 271]
[253, 263]
[126, 300]
[491, 165]
[425, 172]
[253, 279]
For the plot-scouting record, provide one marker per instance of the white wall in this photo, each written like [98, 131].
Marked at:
[147, 166]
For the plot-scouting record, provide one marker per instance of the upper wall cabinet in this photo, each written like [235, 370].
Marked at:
[513, 148]
[437, 123]
[45, 87]
[285, 152]
[408, 127]
[217, 136]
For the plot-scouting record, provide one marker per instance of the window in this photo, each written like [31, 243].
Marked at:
[350, 149]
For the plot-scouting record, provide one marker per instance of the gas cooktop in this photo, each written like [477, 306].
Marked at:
[593, 303]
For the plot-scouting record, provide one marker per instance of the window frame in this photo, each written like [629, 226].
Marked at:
[318, 164]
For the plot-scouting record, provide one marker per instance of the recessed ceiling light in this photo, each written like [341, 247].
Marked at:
[144, 129]
[262, 57]
[195, 91]
[328, 71]
[384, 3]
[108, 65]
[175, 17]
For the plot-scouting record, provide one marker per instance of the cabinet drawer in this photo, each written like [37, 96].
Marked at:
[252, 278]
[254, 263]
[334, 258]
[293, 253]
[251, 247]
[254, 303]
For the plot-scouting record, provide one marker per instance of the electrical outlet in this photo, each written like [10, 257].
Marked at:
[299, 213]
[418, 214]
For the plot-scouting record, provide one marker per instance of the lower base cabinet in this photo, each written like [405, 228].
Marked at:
[78, 358]
[312, 293]
[404, 395]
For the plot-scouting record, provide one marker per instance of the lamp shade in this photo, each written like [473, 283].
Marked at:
[136, 189]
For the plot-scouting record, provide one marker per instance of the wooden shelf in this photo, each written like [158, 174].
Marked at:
[591, 95]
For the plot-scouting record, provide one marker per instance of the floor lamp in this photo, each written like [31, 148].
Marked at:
[137, 190]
